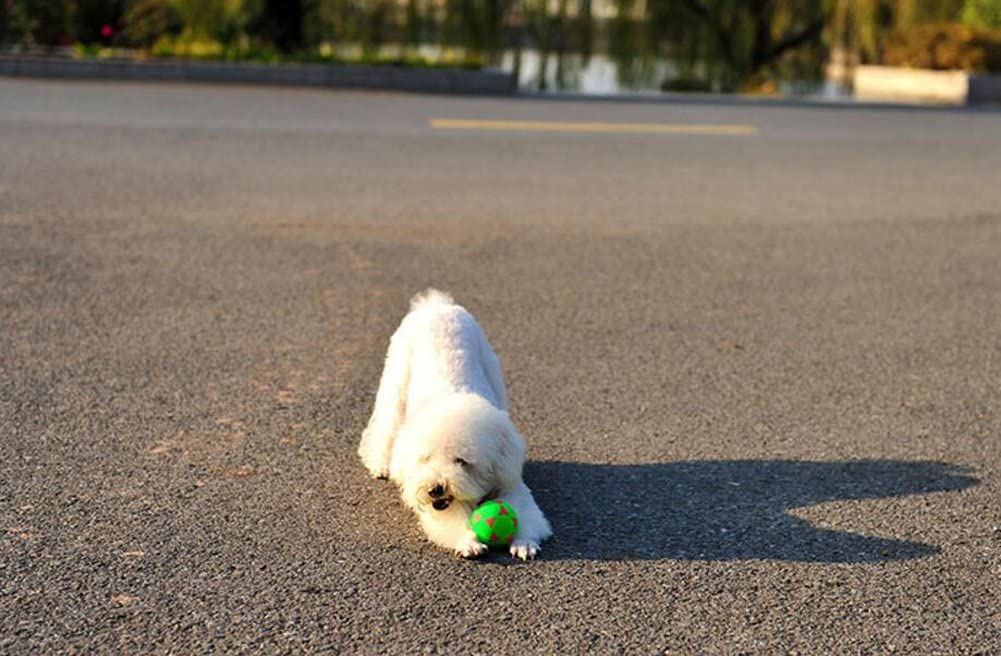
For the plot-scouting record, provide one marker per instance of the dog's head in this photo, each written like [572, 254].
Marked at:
[456, 452]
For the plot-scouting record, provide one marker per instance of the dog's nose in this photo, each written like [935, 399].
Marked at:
[440, 504]
[437, 491]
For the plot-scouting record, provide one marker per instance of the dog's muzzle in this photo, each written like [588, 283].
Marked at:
[440, 501]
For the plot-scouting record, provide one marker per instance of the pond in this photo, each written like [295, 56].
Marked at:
[595, 74]
[601, 74]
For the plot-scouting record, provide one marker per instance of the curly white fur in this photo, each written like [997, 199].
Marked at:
[440, 428]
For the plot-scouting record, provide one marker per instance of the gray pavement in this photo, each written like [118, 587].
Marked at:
[759, 373]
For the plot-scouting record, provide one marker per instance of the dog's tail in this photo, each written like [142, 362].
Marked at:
[430, 297]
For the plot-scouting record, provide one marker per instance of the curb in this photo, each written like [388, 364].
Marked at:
[738, 100]
[346, 76]
[957, 88]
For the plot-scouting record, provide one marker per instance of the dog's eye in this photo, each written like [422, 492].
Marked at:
[461, 462]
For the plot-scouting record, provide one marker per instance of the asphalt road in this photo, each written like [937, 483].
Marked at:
[759, 372]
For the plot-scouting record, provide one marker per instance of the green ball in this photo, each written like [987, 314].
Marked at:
[495, 523]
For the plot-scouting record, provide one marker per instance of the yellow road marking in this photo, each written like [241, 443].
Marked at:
[560, 126]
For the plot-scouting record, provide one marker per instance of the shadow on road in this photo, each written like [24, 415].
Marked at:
[725, 510]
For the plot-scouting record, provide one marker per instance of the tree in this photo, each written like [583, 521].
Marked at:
[736, 41]
[280, 22]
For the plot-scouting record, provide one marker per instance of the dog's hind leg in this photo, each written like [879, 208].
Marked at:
[376, 446]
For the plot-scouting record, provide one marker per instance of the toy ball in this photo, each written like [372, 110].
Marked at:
[495, 523]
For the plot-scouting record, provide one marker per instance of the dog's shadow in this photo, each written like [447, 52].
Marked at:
[725, 510]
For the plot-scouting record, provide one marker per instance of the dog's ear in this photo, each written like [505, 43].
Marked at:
[510, 453]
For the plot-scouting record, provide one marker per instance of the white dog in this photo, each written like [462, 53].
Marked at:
[440, 429]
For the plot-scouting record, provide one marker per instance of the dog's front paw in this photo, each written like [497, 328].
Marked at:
[377, 467]
[378, 473]
[471, 548]
[524, 549]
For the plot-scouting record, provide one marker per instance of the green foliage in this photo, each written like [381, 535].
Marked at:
[183, 47]
[720, 45]
[948, 46]
[45, 23]
[17, 24]
[863, 25]
[332, 20]
[919, 33]
[148, 20]
[982, 13]
[368, 23]
[474, 24]
[28, 23]
[264, 53]
[220, 20]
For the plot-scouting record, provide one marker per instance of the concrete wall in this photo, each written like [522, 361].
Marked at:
[887, 83]
[908, 85]
[319, 75]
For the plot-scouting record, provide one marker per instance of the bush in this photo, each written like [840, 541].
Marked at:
[148, 20]
[982, 13]
[944, 47]
[29, 23]
[17, 25]
[219, 20]
[96, 21]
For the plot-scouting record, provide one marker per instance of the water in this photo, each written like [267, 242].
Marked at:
[598, 74]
